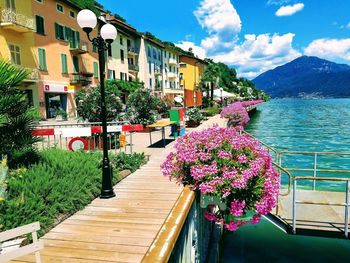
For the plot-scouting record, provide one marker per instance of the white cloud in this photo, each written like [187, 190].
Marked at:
[198, 51]
[329, 48]
[222, 22]
[258, 53]
[289, 10]
[251, 56]
[348, 25]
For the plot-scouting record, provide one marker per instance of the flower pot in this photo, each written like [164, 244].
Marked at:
[207, 200]
[192, 124]
[245, 217]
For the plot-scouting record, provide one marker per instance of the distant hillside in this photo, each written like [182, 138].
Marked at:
[306, 77]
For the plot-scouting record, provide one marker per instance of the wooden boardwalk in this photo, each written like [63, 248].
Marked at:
[120, 229]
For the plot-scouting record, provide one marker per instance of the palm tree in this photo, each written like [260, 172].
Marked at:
[211, 74]
[17, 118]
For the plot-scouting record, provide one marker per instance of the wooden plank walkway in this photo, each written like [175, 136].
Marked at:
[120, 229]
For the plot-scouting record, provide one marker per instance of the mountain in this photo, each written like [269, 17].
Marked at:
[306, 77]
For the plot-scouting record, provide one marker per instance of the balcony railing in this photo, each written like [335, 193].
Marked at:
[133, 67]
[79, 49]
[158, 71]
[172, 61]
[33, 75]
[172, 75]
[132, 50]
[10, 19]
[83, 78]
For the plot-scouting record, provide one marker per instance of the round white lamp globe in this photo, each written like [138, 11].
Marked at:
[87, 20]
[109, 33]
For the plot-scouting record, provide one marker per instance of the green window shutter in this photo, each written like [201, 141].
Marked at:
[42, 59]
[67, 34]
[75, 64]
[95, 70]
[77, 38]
[57, 30]
[94, 48]
[64, 63]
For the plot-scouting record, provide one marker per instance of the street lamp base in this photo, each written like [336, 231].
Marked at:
[106, 194]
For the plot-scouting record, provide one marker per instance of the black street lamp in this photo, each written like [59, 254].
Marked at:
[87, 21]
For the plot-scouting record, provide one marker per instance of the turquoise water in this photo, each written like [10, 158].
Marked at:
[296, 125]
[307, 125]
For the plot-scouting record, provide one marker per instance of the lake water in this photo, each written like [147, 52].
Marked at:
[307, 125]
[296, 125]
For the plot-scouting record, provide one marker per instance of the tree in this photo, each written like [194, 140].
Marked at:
[89, 103]
[17, 118]
[211, 75]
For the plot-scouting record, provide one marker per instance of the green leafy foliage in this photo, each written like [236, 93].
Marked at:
[89, 103]
[17, 118]
[142, 107]
[194, 115]
[57, 187]
[212, 111]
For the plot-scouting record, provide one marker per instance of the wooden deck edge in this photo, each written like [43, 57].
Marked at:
[163, 245]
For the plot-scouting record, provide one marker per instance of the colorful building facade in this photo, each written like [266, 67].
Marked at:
[191, 72]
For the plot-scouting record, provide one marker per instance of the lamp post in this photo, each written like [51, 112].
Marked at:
[87, 20]
[222, 100]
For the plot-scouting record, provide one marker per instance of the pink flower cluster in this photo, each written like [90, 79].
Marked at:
[221, 162]
[251, 103]
[236, 113]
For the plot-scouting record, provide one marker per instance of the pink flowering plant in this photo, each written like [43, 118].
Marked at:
[233, 167]
[236, 114]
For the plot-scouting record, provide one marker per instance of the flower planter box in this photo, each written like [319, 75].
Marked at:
[192, 124]
[246, 217]
[206, 200]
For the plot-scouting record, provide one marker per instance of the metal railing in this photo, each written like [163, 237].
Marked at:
[315, 170]
[310, 178]
[94, 142]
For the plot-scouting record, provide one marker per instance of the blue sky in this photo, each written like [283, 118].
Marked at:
[252, 36]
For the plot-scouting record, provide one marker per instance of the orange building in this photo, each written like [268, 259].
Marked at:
[66, 60]
[191, 72]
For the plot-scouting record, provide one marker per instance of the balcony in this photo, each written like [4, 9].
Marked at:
[172, 75]
[132, 50]
[82, 78]
[172, 61]
[134, 68]
[33, 75]
[157, 71]
[14, 21]
[79, 49]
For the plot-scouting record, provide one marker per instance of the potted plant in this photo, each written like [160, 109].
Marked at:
[61, 115]
[236, 114]
[194, 117]
[231, 171]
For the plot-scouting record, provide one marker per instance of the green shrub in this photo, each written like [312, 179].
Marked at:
[3, 180]
[212, 111]
[194, 115]
[57, 187]
[124, 161]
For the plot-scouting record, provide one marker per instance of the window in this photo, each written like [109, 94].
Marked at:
[129, 43]
[15, 54]
[121, 40]
[72, 14]
[75, 64]
[159, 56]
[73, 37]
[150, 68]
[183, 65]
[40, 29]
[64, 64]
[149, 52]
[154, 54]
[42, 59]
[122, 55]
[150, 83]
[60, 32]
[40, 1]
[111, 74]
[11, 4]
[94, 48]
[95, 70]
[123, 76]
[59, 8]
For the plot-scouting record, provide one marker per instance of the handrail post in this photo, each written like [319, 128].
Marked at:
[315, 171]
[294, 206]
[346, 224]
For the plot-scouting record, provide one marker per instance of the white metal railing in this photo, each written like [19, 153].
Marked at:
[11, 16]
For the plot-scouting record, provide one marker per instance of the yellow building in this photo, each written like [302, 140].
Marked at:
[191, 72]
[17, 30]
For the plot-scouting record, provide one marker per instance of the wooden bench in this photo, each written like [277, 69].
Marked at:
[34, 247]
